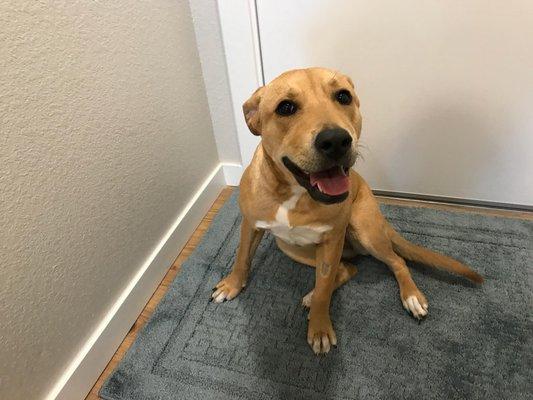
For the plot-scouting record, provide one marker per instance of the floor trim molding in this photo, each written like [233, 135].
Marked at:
[453, 200]
[93, 356]
[232, 173]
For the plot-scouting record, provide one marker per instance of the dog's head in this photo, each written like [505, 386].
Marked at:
[309, 122]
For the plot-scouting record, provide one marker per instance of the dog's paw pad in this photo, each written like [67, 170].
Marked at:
[414, 306]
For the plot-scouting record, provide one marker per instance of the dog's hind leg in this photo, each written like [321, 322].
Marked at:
[413, 300]
[344, 273]
[307, 255]
[369, 229]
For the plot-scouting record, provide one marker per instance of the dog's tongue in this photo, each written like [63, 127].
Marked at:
[332, 181]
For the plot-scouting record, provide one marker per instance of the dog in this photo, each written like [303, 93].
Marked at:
[301, 187]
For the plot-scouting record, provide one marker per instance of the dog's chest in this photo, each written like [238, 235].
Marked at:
[281, 227]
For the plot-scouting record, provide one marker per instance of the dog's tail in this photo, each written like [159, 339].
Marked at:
[425, 256]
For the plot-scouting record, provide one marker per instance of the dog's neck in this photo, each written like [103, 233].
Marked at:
[277, 180]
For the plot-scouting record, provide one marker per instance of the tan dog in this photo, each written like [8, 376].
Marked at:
[299, 185]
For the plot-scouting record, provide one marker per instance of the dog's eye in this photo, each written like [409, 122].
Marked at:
[344, 97]
[286, 107]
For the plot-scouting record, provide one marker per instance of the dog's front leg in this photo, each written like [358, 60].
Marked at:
[229, 287]
[320, 333]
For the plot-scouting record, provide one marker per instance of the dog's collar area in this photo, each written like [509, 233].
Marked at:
[304, 179]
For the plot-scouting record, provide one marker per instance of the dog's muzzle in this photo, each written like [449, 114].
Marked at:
[328, 186]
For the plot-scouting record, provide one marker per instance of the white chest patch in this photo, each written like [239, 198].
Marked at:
[298, 235]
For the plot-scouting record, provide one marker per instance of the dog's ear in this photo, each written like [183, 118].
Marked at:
[250, 109]
[355, 98]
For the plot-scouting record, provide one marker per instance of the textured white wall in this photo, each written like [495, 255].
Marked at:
[105, 135]
[211, 49]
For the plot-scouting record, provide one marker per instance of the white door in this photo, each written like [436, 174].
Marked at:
[446, 87]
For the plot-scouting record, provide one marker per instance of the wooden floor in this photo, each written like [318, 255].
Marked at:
[202, 228]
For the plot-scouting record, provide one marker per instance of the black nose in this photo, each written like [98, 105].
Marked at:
[333, 143]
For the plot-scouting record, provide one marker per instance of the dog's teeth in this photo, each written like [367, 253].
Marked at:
[344, 172]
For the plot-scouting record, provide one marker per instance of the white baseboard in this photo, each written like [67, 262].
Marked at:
[83, 371]
[232, 173]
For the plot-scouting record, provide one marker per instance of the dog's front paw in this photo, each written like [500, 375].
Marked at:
[320, 334]
[416, 303]
[228, 288]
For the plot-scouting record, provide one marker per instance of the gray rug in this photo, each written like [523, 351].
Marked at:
[475, 344]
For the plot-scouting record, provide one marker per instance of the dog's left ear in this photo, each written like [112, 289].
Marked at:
[355, 98]
[250, 109]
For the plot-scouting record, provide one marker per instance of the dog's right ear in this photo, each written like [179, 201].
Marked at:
[250, 109]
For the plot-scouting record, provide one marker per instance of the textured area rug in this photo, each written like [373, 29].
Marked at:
[475, 344]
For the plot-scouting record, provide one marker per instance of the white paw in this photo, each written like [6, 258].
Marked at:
[224, 293]
[321, 336]
[412, 305]
[227, 289]
[322, 345]
[219, 296]
[306, 301]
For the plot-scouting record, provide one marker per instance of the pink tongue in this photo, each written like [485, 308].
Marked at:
[332, 181]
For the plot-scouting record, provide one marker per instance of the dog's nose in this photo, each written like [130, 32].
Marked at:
[333, 143]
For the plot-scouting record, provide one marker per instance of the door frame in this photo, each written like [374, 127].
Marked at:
[240, 36]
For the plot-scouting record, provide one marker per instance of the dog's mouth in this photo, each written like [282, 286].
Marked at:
[328, 186]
